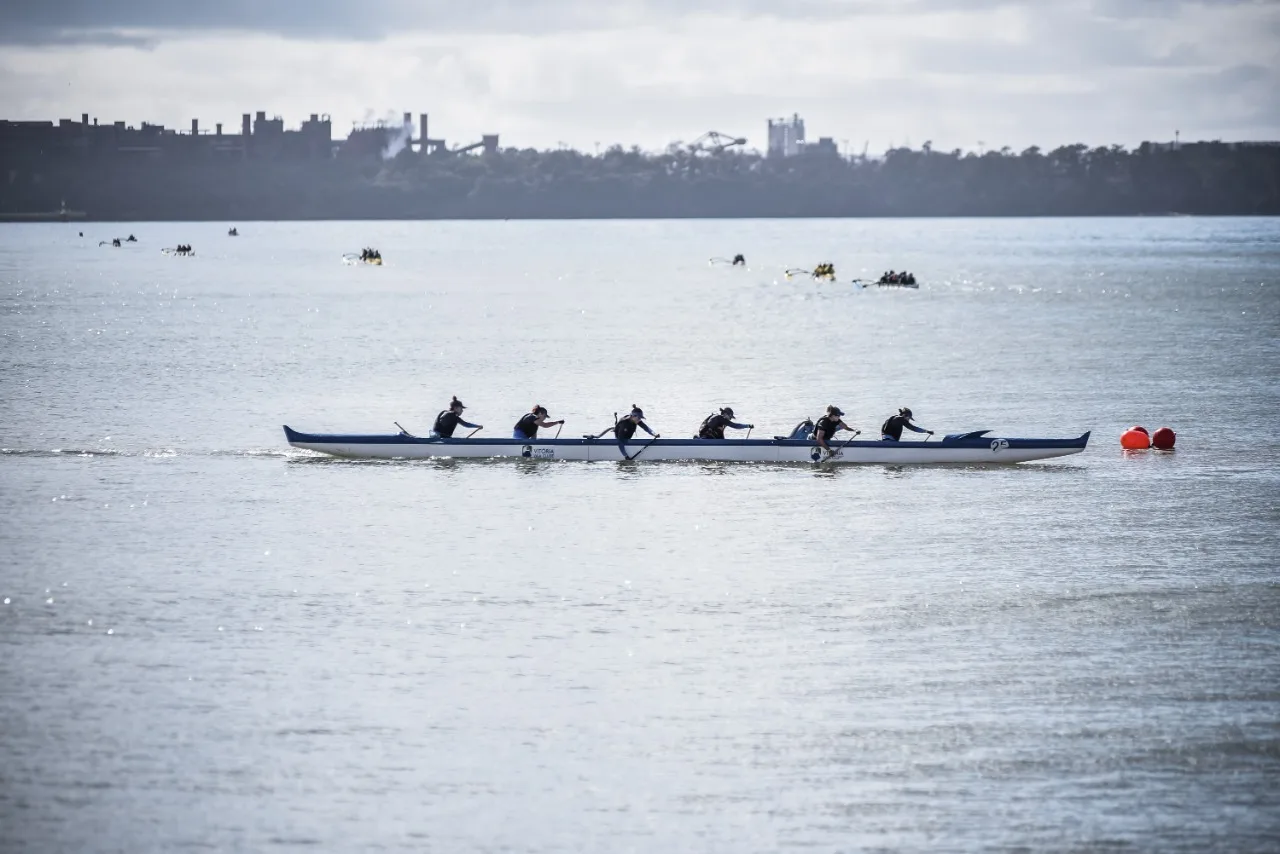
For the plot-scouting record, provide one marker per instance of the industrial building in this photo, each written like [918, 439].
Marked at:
[786, 139]
[786, 136]
[259, 137]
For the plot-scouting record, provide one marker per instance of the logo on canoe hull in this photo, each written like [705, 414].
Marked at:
[526, 451]
[538, 453]
[998, 445]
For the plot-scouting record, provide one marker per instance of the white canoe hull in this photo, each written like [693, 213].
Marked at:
[966, 449]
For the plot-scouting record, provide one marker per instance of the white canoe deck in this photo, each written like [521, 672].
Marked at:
[967, 448]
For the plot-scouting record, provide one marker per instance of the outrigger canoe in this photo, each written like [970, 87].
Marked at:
[965, 448]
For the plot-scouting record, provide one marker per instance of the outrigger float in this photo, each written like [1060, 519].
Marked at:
[964, 448]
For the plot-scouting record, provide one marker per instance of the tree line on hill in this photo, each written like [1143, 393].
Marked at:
[1208, 178]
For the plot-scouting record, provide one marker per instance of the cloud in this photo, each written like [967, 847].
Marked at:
[57, 21]
[651, 71]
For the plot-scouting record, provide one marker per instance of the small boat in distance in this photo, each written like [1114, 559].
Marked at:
[894, 279]
[364, 256]
[962, 448]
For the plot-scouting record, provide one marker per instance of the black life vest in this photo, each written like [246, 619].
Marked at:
[892, 426]
[826, 427]
[446, 423]
[713, 427]
[528, 425]
[624, 429]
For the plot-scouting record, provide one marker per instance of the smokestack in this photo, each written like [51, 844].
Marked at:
[219, 128]
[195, 127]
[245, 125]
[84, 119]
[422, 133]
[408, 120]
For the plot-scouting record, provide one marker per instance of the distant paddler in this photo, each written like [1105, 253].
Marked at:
[739, 260]
[713, 426]
[450, 419]
[131, 239]
[527, 426]
[233, 232]
[626, 428]
[828, 425]
[824, 270]
[891, 430]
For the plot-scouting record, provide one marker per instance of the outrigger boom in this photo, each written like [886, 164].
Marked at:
[964, 448]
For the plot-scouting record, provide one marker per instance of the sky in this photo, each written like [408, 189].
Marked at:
[967, 74]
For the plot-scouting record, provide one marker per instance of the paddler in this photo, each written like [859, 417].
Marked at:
[828, 425]
[891, 430]
[713, 426]
[450, 419]
[527, 426]
[739, 261]
[626, 428]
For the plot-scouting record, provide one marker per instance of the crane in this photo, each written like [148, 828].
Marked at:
[713, 142]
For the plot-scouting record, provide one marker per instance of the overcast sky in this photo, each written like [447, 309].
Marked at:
[647, 72]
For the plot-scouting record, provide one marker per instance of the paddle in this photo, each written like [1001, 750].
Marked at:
[558, 429]
[831, 453]
[473, 432]
[404, 431]
[641, 451]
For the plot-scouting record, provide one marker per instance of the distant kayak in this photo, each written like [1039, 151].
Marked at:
[354, 258]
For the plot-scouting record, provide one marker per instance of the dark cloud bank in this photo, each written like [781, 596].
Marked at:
[55, 22]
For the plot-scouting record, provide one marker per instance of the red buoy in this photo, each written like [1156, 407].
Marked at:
[1163, 439]
[1135, 439]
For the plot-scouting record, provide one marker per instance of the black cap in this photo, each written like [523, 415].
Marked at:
[727, 412]
[457, 403]
[904, 411]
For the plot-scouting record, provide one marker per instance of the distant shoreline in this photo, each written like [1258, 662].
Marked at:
[1206, 179]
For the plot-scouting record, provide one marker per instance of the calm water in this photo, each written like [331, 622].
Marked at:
[211, 641]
